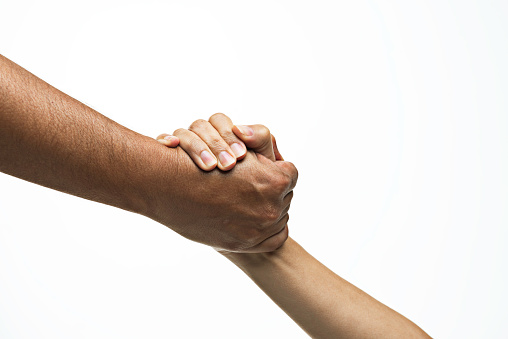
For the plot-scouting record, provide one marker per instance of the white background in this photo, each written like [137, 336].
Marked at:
[394, 112]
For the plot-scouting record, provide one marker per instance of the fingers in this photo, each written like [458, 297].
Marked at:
[197, 149]
[223, 124]
[257, 138]
[168, 140]
[193, 146]
[219, 147]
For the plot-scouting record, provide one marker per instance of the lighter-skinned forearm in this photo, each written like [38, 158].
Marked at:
[51, 139]
[323, 304]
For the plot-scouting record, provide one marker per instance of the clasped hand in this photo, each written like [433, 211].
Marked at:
[246, 208]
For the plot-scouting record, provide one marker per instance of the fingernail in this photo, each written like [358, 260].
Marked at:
[246, 130]
[238, 149]
[226, 159]
[207, 158]
[168, 137]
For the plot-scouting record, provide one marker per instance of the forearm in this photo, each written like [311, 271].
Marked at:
[320, 302]
[51, 139]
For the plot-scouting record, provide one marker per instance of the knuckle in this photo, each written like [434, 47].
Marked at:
[229, 137]
[198, 124]
[294, 169]
[217, 143]
[281, 182]
[263, 128]
[179, 131]
[290, 171]
[264, 132]
[289, 166]
[196, 145]
[217, 116]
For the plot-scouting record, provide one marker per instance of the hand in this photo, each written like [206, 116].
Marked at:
[211, 137]
[220, 135]
[246, 209]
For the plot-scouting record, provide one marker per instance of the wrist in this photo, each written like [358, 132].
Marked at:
[149, 175]
[252, 261]
[164, 187]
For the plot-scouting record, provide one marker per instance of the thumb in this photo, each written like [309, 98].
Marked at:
[259, 139]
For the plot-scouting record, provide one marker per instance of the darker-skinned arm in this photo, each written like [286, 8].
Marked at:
[51, 139]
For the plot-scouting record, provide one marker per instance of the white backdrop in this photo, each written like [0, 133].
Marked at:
[394, 112]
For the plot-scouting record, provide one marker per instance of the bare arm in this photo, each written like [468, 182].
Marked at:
[51, 139]
[323, 304]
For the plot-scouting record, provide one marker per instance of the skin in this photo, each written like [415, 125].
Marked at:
[49, 138]
[323, 304]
